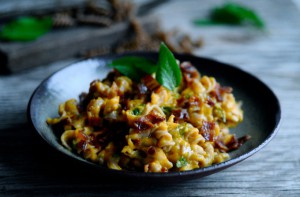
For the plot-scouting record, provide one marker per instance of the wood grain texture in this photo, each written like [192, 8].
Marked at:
[29, 167]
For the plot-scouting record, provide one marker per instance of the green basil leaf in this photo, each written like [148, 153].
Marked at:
[140, 63]
[181, 162]
[234, 14]
[26, 28]
[134, 67]
[168, 72]
[129, 71]
[144, 65]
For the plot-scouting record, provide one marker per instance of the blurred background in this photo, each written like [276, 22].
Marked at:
[52, 30]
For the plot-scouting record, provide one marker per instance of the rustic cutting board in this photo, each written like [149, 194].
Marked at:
[64, 43]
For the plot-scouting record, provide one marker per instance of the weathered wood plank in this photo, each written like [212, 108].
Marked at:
[62, 44]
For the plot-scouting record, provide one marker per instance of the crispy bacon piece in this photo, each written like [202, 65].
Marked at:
[100, 139]
[82, 145]
[225, 89]
[186, 103]
[221, 146]
[142, 124]
[150, 82]
[217, 94]
[233, 144]
[148, 121]
[85, 98]
[181, 101]
[137, 141]
[207, 130]
[151, 150]
[154, 118]
[189, 72]
[164, 169]
[236, 143]
[244, 139]
[210, 102]
[219, 91]
[193, 101]
[142, 92]
[124, 101]
[180, 115]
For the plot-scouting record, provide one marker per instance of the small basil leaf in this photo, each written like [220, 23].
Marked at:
[26, 28]
[129, 71]
[145, 65]
[233, 14]
[140, 63]
[181, 162]
[168, 72]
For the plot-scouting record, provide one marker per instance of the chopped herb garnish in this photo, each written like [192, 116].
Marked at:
[181, 162]
[220, 113]
[26, 28]
[182, 130]
[167, 110]
[232, 14]
[136, 111]
[167, 71]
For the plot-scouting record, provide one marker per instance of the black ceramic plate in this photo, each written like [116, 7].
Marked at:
[262, 112]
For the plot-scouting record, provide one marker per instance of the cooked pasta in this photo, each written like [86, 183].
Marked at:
[143, 126]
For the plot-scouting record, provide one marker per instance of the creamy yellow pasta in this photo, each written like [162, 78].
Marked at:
[143, 126]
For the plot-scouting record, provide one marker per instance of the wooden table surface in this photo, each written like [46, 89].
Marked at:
[29, 167]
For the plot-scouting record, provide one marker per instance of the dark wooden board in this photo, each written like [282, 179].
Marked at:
[66, 43]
